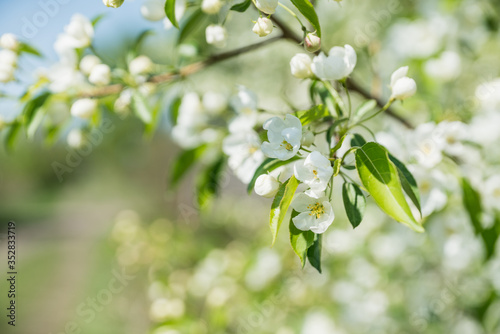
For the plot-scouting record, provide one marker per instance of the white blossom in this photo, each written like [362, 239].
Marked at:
[300, 66]
[88, 63]
[214, 103]
[75, 138]
[141, 65]
[211, 6]
[267, 6]
[284, 137]
[244, 154]
[100, 75]
[8, 58]
[337, 65]
[79, 32]
[113, 3]
[153, 10]
[315, 213]
[315, 171]
[402, 87]
[447, 67]
[84, 108]
[263, 26]
[425, 147]
[491, 192]
[9, 41]
[216, 35]
[266, 186]
[452, 136]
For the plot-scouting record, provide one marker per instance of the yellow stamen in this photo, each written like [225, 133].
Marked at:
[317, 209]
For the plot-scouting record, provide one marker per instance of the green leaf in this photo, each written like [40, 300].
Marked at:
[357, 140]
[170, 12]
[331, 130]
[242, 7]
[140, 38]
[33, 106]
[191, 24]
[280, 205]
[11, 135]
[26, 48]
[338, 145]
[97, 19]
[307, 9]
[314, 253]
[354, 203]
[337, 163]
[313, 114]
[141, 108]
[208, 183]
[472, 204]
[174, 109]
[363, 109]
[267, 166]
[183, 163]
[408, 182]
[380, 178]
[300, 240]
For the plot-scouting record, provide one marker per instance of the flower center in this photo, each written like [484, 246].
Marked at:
[253, 149]
[317, 209]
[315, 172]
[287, 145]
[496, 192]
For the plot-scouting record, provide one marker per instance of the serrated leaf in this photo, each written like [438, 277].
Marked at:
[314, 252]
[380, 177]
[354, 203]
[313, 114]
[280, 205]
[307, 9]
[267, 166]
[408, 182]
[357, 140]
[184, 162]
[141, 108]
[300, 240]
[170, 12]
[191, 24]
[242, 7]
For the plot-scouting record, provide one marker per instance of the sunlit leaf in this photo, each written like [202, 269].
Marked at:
[307, 9]
[242, 7]
[354, 203]
[300, 240]
[408, 182]
[170, 12]
[280, 205]
[314, 252]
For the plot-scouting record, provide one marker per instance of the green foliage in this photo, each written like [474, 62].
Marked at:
[192, 23]
[141, 108]
[30, 111]
[408, 182]
[381, 179]
[26, 48]
[280, 205]
[357, 140]
[472, 204]
[307, 9]
[314, 252]
[241, 7]
[354, 203]
[209, 182]
[315, 113]
[183, 164]
[170, 12]
[300, 240]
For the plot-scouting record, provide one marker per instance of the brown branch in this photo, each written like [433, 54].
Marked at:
[186, 70]
[292, 36]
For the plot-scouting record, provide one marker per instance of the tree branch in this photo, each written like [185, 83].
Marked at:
[292, 36]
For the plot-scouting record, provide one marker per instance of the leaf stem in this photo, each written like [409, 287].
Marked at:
[336, 97]
[293, 14]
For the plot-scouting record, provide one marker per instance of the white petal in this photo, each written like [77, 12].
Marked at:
[398, 74]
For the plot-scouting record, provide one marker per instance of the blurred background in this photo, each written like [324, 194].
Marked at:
[112, 249]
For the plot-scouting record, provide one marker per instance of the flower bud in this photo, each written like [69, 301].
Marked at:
[9, 41]
[266, 186]
[300, 66]
[84, 108]
[312, 43]
[267, 6]
[8, 58]
[307, 138]
[216, 35]
[88, 63]
[140, 65]
[263, 26]
[100, 75]
[113, 3]
[153, 10]
[75, 138]
[211, 6]
[402, 86]
[6, 73]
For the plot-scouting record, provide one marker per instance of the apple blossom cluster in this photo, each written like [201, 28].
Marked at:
[9, 54]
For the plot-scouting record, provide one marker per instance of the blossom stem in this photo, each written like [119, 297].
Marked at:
[336, 97]
[293, 14]
[384, 108]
